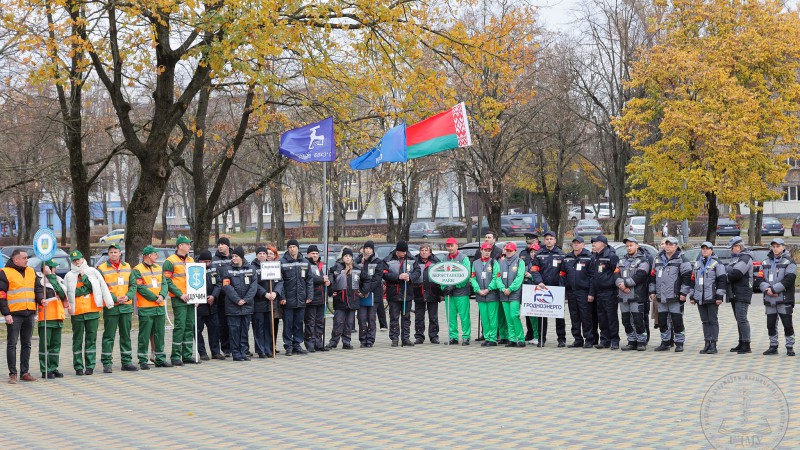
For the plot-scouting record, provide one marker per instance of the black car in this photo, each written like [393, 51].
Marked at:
[771, 226]
[728, 227]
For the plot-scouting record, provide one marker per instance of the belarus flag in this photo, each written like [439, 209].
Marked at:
[444, 131]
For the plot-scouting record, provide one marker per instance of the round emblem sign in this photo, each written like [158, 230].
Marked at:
[44, 244]
[448, 273]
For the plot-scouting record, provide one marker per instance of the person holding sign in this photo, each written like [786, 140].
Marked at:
[183, 312]
[457, 297]
[427, 296]
[117, 274]
[55, 302]
[708, 284]
[87, 293]
[372, 269]
[509, 284]
[20, 293]
[267, 297]
[603, 290]
[240, 287]
[207, 315]
[632, 276]
[346, 299]
[315, 311]
[485, 273]
[401, 272]
[151, 290]
[546, 269]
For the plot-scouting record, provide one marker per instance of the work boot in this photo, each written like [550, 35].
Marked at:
[144, 366]
[772, 350]
[678, 347]
[166, 364]
[347, 346]
[663, 347]
[57, 374]
[511, 344]
[435, 341]
[745, 348]
[491, 343]
[219, 356]
[738, 347]
[789, 351]
[88, 371]
[79, 372]
[712, 349]
[521, 344]
[642, 346]
[503, 341]
[629, 347]
[576, 344]
[704, 351]
[205, 358]
[129, 367]
[465, 342]
[394, 343]
[453, 341]
[107, 369]
[177, 362]
[419, 341]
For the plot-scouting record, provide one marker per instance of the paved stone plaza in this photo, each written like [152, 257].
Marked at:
[428, 396]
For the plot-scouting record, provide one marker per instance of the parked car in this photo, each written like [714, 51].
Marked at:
[533, 222]
[383, 250]
[113, 237]
[61, 257]
[635, 226]
[621, 249]
[796, 227]
[603, 210]
[728, 227]
[509, 226]
[587, 227]
[574, 213]
[771, 226]
[423, 230]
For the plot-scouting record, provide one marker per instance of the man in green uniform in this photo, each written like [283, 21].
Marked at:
[457, 297]
[509, 283]
[150, 293]
[175, 277]
[117, 274]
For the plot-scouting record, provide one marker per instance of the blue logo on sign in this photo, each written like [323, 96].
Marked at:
[543, 296]
[196, 277]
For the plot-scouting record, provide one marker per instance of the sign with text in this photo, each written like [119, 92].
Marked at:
[271, 270]
[448, 273]
[542, 302]
[196, 283]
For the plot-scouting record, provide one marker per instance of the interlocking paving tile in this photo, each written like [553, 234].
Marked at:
[428, 396]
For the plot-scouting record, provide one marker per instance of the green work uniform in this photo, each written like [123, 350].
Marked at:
[54, 328]
[151, 319]
[183, 313]
[120, 282]
[84, 330]
[512, 274]
[484, 276]
[457, 298]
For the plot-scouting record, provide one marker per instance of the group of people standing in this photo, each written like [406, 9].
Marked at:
[599, 286]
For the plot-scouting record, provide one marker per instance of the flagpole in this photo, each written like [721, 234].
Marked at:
[325, 242]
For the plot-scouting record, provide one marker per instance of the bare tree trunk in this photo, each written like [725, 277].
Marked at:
[259, 201]
[164, 228]
[713, 217]
[276, 198]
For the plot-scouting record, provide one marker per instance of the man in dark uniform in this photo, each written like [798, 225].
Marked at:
[207, 315]
[240, 286]
[576, 282]
[603, 290]
[220, 261]
[371, 280]
[427, 296]
[546, 271]
[298, 291]
[401, 272]
[315, 311]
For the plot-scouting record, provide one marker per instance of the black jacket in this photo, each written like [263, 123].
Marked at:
[371, 276]
[395, 287]
[263, 305]
[546, 266]
[425, 289]
[317, 275]
[576, 270]
[345, 287]
[221, 263]
[298, 285]
[740, 277]
[214, 289]
[239, 283]
[601, 271]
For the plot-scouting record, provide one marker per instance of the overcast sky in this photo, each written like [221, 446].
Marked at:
[556, 14]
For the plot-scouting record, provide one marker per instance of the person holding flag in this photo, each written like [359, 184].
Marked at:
[117, 274]
[51, 322]
[457, 297]
[485, 272]
[401, 272]
[183, 326]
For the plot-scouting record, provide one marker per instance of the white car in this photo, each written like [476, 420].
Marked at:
[575, 213]
[635, 226]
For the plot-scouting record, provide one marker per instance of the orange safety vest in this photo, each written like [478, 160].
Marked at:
[118, 280]
[178, 274]
[20, 294]
[85, 303]
[55, 309]
[151, 277]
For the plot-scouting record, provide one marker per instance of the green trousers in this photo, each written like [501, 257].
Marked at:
[151, 325]
[502, 325]
[535, 325]
[511, 311]
[489, 315]
[183, 331]
[458, 307]
[53, 345]
[84, 342]
[111, 323]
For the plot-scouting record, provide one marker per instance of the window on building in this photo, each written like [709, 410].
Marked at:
[352, 205]
[267, 209]
[793, 163]
[790, 193]
[49, 214]
[170, 212]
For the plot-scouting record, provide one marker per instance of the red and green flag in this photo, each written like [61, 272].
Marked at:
[444, 131]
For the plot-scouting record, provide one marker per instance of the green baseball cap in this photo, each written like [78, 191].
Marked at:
[115, 245]
[75, 255]
[147, 250]
[50, 263]
[183, 240]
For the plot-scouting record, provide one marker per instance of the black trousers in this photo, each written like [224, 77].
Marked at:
[224, 334]
[561, 329]
[580, 316]
[432, 308]
[366, 324]
[314, 334]
[608, 317]
[381, 312]
[395, 322]
[262, 333]
[342, 326]
[212, 322]
[239, 329]
[20, 331]
[293, 327]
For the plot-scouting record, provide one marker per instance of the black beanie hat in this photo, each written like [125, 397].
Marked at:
[402, 246]
[292, 242]
[205, 255]
[347, 251]
[369, 244]
[239, 251]
[312, 248]
[224, 240]
[261, 249]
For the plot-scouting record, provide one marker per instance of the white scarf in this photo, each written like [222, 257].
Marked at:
[102, 296]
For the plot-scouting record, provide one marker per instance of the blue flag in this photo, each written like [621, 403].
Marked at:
[391, 148]
[311, 143]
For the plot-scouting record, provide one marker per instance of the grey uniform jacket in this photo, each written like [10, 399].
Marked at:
[670, 277]
[709, 280]
[778, 274]
[633, 272]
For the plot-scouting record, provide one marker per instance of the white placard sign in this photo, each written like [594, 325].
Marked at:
[542, 302]
[196, 283]
[271, 270]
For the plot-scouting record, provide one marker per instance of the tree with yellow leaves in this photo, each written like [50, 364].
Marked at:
[719, 114]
